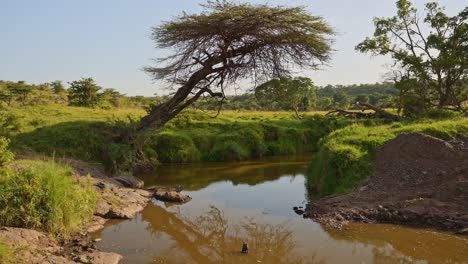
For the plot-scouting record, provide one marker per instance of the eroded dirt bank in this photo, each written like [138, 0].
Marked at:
[418, 180]
[120, 199]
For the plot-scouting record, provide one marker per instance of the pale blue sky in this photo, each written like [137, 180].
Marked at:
[108, 40]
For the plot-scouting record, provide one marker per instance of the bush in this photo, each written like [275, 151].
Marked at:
[434, 113]
[228, 151]
[45, 196]
[5, 154]
[175, 148]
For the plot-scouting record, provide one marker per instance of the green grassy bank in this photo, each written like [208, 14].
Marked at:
[43, 195]
[96, 134]
[345, 157]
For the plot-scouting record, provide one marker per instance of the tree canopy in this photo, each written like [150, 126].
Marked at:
[433, 66]
[229, 41]
[296, 94]
[84, 92]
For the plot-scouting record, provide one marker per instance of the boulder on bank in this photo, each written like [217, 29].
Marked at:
[129, 181]
[170, 194]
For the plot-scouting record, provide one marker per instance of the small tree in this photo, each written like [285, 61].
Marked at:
[296, 94]
[325, 103]
[84, 92]
[19, 91]
[57, 87]
[438, 60]
[341, 100]
[228, 42]
[110, 97]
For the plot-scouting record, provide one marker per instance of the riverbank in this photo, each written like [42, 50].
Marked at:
[418, 180]
[101, 136]
[116, 201]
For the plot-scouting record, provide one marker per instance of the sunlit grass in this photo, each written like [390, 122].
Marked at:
[43, 195]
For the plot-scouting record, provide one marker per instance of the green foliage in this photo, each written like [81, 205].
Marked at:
[345, 157]
[228, 151]
[436, 63]
[296, 94]
[57, 87]
[45, 196]
[440, 114]
[341, 100]
[84, 92]
[5, 154]
[343, 96]
[110, 98]
[175, 147]
[19, 90]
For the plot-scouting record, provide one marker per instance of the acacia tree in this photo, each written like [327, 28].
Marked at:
[296, 94]
[437, 60]
[84, 92]
[227, 42]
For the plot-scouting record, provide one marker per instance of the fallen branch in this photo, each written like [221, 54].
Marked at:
[378, 113]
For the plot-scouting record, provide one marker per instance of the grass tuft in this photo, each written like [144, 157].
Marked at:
[44, 196]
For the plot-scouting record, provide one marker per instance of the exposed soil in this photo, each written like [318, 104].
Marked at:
[418, 180]
[119, 200]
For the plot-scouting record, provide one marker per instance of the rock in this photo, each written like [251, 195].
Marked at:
[298, 211]
[120, 202]
[171, 195]
[462, 231]
[98, 257]
[96, 224]
[130, 181]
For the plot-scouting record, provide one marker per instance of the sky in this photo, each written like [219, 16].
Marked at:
[108, 40]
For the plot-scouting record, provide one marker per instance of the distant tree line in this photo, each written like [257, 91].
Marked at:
[297, 94]
[84, 93]
[321, 98]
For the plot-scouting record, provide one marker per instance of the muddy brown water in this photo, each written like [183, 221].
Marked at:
[253, 202]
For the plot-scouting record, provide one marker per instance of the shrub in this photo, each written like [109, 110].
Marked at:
[45, 196]
[176, 148]
[228, 151]
[5, 154]
[434, 113]
[9, 123]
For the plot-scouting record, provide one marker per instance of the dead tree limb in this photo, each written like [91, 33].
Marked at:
[379, 112]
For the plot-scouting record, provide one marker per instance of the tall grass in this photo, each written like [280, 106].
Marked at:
[345, 157]
[45, 196]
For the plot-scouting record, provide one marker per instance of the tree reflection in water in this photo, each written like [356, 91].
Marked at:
[209, 238]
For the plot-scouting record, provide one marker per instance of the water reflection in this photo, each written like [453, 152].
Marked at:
[252, 202]
[407, 245]
[209, 238]
[196, 176]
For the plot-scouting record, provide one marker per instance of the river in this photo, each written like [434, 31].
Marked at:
[253, 202]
